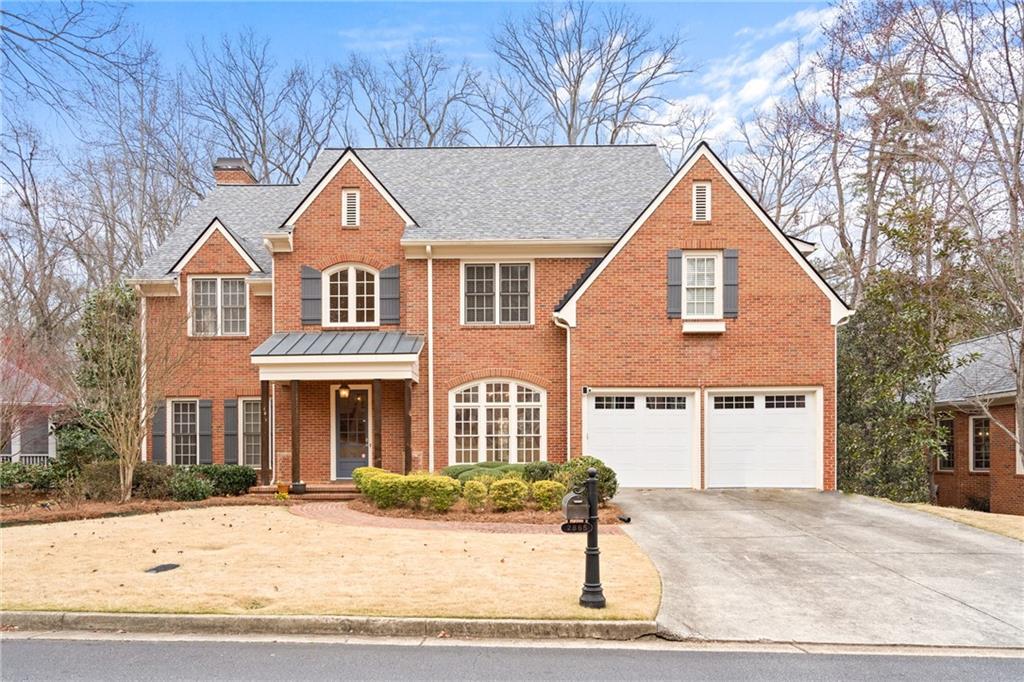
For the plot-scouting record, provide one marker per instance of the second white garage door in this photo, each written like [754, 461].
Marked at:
[762, 440]
[646, 438]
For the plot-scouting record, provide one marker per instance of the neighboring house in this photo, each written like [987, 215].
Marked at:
[979, 467]
[415, 308]
[27, 405]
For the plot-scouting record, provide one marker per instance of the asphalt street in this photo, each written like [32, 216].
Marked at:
[56, 659]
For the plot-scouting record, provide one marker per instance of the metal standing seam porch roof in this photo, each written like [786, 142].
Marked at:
[306, 344]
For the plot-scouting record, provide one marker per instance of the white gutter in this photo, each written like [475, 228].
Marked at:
[430, 358]
[143, 398]
[559, 322]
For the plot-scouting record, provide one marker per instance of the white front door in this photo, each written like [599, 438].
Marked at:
[646, 438]
[762, 440]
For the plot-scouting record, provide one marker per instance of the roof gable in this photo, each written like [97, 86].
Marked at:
[348, 156]
[839, 310]
[215, 226]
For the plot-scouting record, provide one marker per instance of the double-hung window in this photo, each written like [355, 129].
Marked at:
[184, 429]
[250, 440]
[352, 297]
[702, 283]
[497, 293]
[981, 444]
[219, 306]
[946, 461]
[497, 421]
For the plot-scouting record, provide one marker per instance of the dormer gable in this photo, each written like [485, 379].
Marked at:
[215, 227]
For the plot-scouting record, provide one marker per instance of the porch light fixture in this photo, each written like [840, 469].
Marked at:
[343, 392]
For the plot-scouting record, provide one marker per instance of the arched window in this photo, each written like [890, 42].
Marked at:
[351, 296]
[497, 420]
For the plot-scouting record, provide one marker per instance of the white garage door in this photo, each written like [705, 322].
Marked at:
[645, 438]
[758, 440]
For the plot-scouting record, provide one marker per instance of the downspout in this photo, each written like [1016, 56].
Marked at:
[559, 322]
[835, 399]
[143, 398]
[430, 358]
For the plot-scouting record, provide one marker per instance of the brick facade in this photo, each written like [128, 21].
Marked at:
[782, 337]
[1001, 487]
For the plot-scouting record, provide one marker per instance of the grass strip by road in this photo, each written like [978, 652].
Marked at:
[1004, 524]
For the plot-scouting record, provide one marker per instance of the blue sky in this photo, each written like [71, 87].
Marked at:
[741, 47]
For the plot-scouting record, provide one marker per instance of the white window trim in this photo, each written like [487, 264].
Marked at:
[717, 255]
[169, 428]
[15, 443]
[513, 418]
[970, 444]
[325, 296]
[693, 202]
[940, 464]
[371, 455]
[345, 194]
[497, 292]
[220, 307]
[241, 428]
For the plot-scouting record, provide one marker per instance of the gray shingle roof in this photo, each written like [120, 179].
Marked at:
[339, 343]
[990, 373]
[471, 193]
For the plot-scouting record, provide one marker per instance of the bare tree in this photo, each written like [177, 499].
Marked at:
[509, 111]
[599, 74]
[22, 370]
[781, 164]
[276, 120]
[48, 45]
[416, 100]
[678, 139]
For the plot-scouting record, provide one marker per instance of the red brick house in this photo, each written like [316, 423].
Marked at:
[980, 466]
[415, 308]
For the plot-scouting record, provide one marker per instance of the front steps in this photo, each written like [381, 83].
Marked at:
[340, 491]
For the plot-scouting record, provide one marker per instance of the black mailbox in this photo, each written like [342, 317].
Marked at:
[575, 507]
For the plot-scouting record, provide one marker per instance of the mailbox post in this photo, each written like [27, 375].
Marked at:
[593, 594]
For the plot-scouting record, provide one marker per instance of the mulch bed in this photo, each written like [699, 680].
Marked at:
[460, 514]
[49, 511]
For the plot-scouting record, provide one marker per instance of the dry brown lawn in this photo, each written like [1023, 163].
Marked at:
[1004, 524]
[265, 560]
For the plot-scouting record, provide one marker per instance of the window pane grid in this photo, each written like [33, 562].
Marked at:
[700, 285]
[497, 421]
[614, 402]
[666, 402]
[479, 293]
[497, 443]
[734, 402]
[467, 441]
[365, 286]
[233, 309]
[338, 296]
[515, 293]
[528, 434]
[784, 401]
[184, 432]
[946, 457]
[251, 433]
[980, 434]
[204, 307]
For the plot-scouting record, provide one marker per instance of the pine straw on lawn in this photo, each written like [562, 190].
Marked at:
[265, 560]
[45, 510]
[461, 514]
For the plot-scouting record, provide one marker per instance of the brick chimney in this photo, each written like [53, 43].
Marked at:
[233, 171]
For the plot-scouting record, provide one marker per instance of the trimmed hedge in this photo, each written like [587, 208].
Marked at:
[475, 494]
[361, 474]
[454, 470]
[547, 494]
[38, 476]
[152, 481]
[227, 479]
[188, 486]
[573, 474]
[539, 471]
[508, 494]
[388, 490]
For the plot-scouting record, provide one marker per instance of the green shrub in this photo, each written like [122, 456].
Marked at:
[573, 474]
[152, 481]
[78, 445]
[454, 470]
[187, 486]
[539, 471]
[508, 494]
[492, 465]
[360, 475]
[475, 494]
[443, 493]
[37, 476]
[102, 481]
[486, 476]
[383, 489]
[414, 488]
[547, 494]
[227, 479]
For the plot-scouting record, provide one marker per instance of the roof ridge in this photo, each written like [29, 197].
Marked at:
[508, 147]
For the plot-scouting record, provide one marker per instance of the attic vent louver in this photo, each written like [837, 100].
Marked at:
[350, 208]
[701, 202]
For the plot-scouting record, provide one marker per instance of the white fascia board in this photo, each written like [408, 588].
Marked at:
[416, 249]
[340, 371]
[215, 226]
[156, 287]
[278, 242]
[839, 310]
[333, 359]
[348, 156]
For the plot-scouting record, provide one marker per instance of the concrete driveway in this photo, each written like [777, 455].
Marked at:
[805, 566]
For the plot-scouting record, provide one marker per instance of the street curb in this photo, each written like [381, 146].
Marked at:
[328, 625]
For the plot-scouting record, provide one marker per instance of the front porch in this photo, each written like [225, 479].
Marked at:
[340, 400]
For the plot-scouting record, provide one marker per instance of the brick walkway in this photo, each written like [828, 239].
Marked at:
[338, 512]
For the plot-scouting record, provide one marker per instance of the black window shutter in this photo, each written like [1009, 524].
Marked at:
[675, 283]
[390, 308]
[310, 294]
[730, 283]
[231, 431]
[159, 436]
[206, 432]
